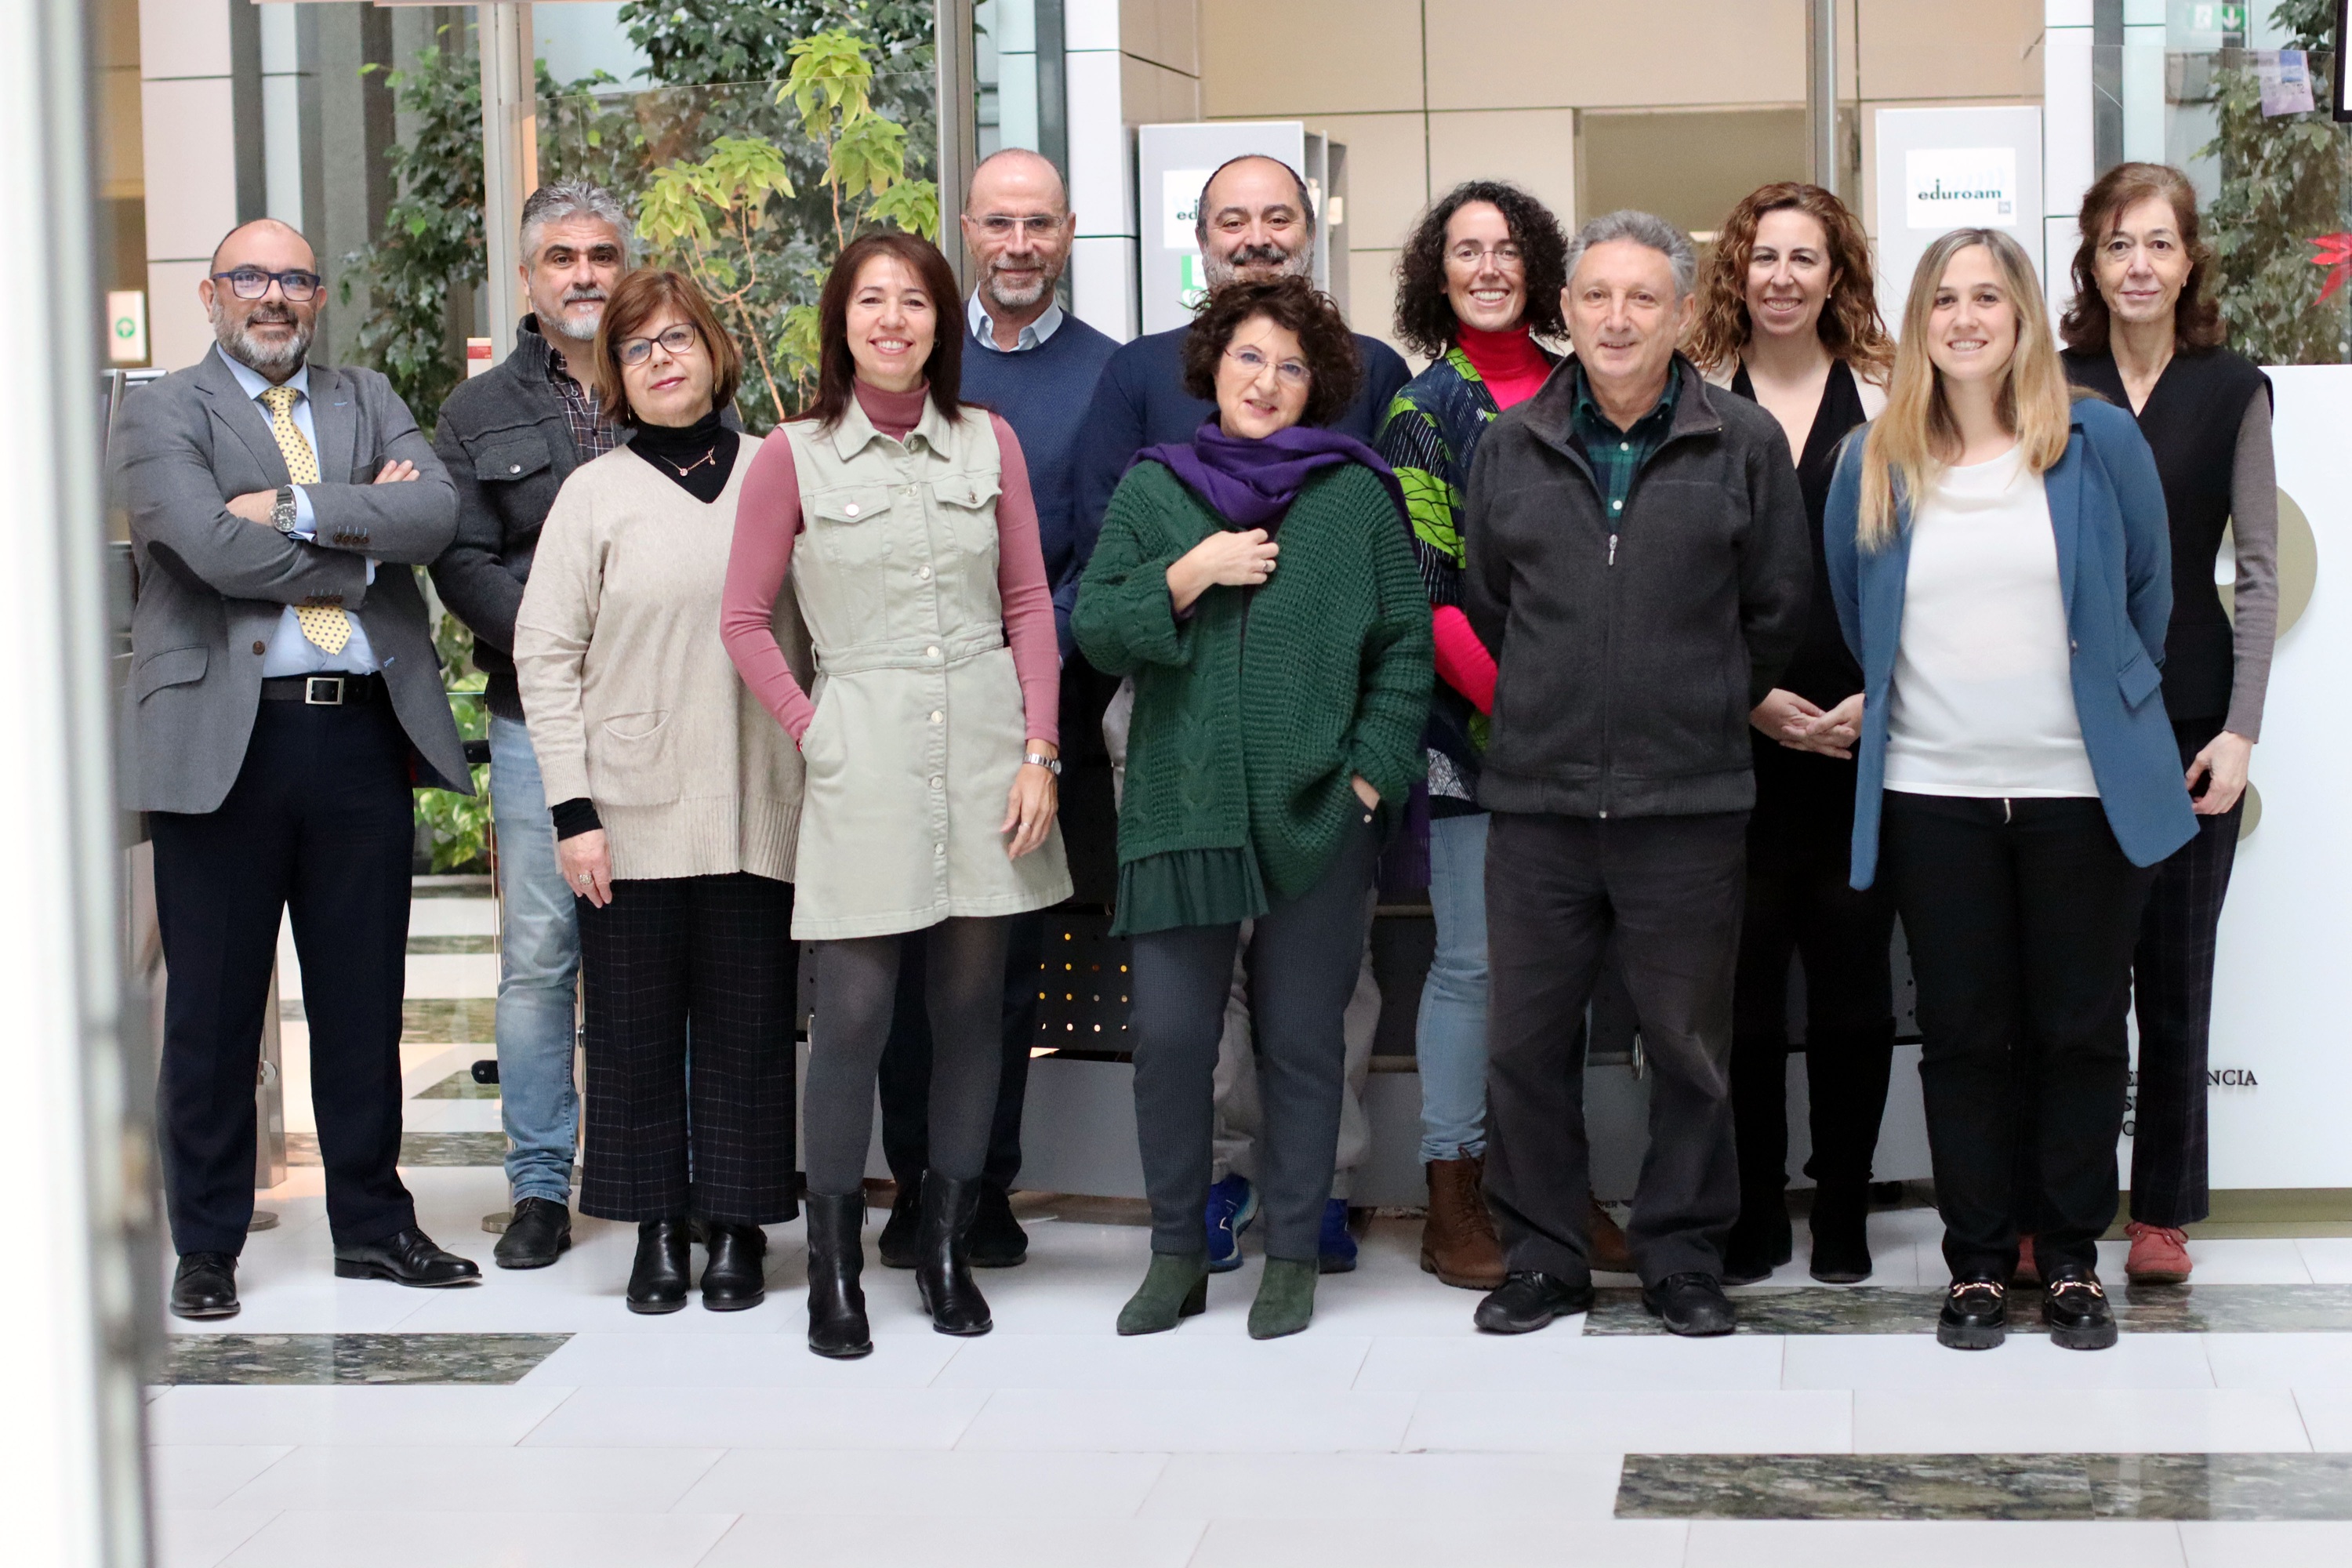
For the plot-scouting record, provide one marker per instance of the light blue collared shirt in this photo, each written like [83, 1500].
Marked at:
[983, 328]
[292, 653]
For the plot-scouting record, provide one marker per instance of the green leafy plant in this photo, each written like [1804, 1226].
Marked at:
[456, 827]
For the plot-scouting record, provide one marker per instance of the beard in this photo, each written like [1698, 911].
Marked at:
[1297, 263]
[1018, 295]
[277, 360]
[564, 321]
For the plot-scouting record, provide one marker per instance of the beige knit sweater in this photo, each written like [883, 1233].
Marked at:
[631, 697]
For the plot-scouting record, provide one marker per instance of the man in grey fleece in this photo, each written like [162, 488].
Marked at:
[1636, 558]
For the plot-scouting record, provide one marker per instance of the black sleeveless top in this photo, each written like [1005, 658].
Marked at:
[1824, 670]
[2191, 424]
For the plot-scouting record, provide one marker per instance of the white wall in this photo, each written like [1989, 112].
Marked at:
[190, 158]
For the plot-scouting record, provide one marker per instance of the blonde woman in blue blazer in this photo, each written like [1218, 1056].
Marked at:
[2002, 565]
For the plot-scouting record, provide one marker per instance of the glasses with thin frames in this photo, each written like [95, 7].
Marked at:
[252, 283]
[1035, 226]
[1470, 253]
[681, 339]
[1290, 372]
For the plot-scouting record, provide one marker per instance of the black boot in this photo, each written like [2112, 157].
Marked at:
[664, 1261]
[835, 1256]
[735, 1276]
[896, 1245]
[1761, 1240]
[942, 1270]
[1841, 1228]
[997, 1239]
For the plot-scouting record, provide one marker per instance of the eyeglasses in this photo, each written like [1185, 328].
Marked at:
[1291, 372]
[1036, 225]
[681, 339]
[252, 283]
[1470, 253]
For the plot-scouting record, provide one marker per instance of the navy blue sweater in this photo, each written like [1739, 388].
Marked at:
[1141, 402]
[1042, 393]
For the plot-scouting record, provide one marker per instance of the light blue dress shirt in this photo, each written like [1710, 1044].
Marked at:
[292, 653]
[983, 328]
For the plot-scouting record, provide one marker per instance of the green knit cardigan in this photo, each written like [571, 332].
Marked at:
[1252, 712]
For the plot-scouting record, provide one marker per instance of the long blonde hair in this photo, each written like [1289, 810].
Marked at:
[1910, 445]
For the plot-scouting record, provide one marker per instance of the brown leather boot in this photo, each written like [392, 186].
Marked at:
[1458, 1242]
[1608, 1251]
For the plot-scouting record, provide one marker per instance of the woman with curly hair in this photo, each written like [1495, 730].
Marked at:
[1277, 713]
[1787, 316]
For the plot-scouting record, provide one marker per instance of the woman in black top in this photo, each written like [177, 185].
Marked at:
[1787, 317]
[2142, 335]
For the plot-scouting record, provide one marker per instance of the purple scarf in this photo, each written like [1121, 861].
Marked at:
[1250, 483]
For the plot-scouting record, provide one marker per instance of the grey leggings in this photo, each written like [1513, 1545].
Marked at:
[856, 980]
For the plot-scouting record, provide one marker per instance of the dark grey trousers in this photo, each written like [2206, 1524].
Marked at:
[1670, 889]
[1302, 962]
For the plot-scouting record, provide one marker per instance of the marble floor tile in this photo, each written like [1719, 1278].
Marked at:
[2327, 1417]
[1651, 1420]
[451, 976]
[200, 1538]
[1560, 1359]
[388, 1539]
[450, 1115]
[1764, 1544]
[2091, 1420]
[296, 1294]
[2329, 1257]
[1345, 1542]
[1961, 1485]
[2245, 1260]
[1285, 1421]
[2028, 1363]
[241, 1358]
[382, 1417]
[766, 1541]
[841, 1418]
[464, 942]
[2222, 1485]
[458, 1085]
[417, 1148]
[2237, 1544]
[2203, 1306]
[199, 1476]
[686, 1358]
[1173, 1361]
[952, 1486]
[1489, 1486]
[459, 1478]
[2280, 1361]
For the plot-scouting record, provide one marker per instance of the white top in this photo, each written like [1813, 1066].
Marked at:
[1983, 701]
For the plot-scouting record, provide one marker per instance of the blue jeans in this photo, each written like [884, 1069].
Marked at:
[540, 966]
[1450, 1042]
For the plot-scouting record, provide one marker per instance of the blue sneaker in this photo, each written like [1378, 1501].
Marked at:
[1335, 1249]
[1232, 1204]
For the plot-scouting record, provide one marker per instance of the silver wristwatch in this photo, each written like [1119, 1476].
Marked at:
[1051, 765]
[281, 511]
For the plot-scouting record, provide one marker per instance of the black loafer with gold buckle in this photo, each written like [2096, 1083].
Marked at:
[2075, 1305]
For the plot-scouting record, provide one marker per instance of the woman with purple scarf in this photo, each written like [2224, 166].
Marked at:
[1258, 585]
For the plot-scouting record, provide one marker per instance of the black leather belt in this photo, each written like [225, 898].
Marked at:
[324, 691]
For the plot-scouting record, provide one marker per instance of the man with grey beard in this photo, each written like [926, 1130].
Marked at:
[283, 699]
[510, 437]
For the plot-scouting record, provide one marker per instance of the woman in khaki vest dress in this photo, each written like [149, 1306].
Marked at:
[904, 526]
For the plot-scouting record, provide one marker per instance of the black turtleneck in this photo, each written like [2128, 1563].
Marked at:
[698, 456]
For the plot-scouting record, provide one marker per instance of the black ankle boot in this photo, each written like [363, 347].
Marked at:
[942, 1270]
[735, 1276]
[664, 1260]
[1761, 1240]
[835, 1256]
[896, 1245]
[1841, 1227]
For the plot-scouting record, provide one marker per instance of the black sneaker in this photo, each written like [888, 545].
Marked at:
[2074, 1305]
[1692, 1304]
[897, 1244]
[1975, 1315]
[1528, 1300]
[997, 1240]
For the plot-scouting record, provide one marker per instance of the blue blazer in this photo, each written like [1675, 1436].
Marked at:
[2114, 568]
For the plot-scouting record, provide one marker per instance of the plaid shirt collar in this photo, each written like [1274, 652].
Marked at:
[593, 433]
[1617, 456]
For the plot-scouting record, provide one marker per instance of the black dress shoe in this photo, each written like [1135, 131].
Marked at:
[897, 1244]
[2074, 1305]
[1528, 1300]
[1841, 1227]
[538, 1232]
[942, 1263]
[1691, 1304]
[835, 1256]
[735, 1275]
[406, 1258]
[204, 1286]
[664, 1260]
[997, 1239]
[1976, 1313]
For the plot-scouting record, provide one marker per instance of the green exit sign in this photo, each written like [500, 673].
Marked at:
[2217, 18]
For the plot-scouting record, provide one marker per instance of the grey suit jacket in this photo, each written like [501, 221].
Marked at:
[213, 587]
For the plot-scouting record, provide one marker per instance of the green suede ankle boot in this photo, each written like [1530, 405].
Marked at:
[1285, 1299]
[1175, 1287]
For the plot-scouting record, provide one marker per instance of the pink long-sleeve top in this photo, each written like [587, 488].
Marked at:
[762, 557]
[1513, 368]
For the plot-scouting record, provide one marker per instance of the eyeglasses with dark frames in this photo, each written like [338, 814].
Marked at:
[675, 340]
[252, 283]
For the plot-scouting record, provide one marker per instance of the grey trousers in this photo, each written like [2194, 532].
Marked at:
[1302, 962]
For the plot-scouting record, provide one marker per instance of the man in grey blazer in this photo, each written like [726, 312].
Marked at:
[283, 700]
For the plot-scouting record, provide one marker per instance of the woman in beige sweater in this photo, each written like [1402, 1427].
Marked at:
[677, 806]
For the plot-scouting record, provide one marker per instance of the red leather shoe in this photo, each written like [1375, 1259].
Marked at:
[2160, 1255]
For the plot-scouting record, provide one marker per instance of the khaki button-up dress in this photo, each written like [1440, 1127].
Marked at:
[918, 728]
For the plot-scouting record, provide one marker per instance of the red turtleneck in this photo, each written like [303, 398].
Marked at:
[1507, 362]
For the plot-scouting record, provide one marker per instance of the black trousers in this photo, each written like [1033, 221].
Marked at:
[1800, 848]
[319, 824]
[1302, 962]
[2173, 991]
[905, 1079]
[1668, 888]
[712, 956]
[2021, 916]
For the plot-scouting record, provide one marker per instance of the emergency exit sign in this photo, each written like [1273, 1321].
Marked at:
[126, 327]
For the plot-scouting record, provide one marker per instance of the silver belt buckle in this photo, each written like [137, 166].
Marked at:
[322, 691]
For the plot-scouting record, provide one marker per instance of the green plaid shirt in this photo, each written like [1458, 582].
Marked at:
[1618, 455]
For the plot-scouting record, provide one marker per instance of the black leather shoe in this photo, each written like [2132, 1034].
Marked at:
[837, 1303]
[204, 1286]
[664, 1260]
[1690, 1304]
[2074, 1305]
[408, 1257]
[1761, 1241]
[1976, 1313]
[538, 1232]
[943, 1265]
[1841, 1227]
[1528, 1300]
[997, 1239]
[734, 1276]
[895, 1245]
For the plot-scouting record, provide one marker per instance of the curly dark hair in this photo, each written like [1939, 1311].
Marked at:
[1334, 369]
[2196, 318]
[1425, 316]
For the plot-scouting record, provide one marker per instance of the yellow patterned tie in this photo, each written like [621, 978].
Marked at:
[326, 626]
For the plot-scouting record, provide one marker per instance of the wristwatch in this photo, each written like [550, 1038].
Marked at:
[281, 511]
[1051, 765]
